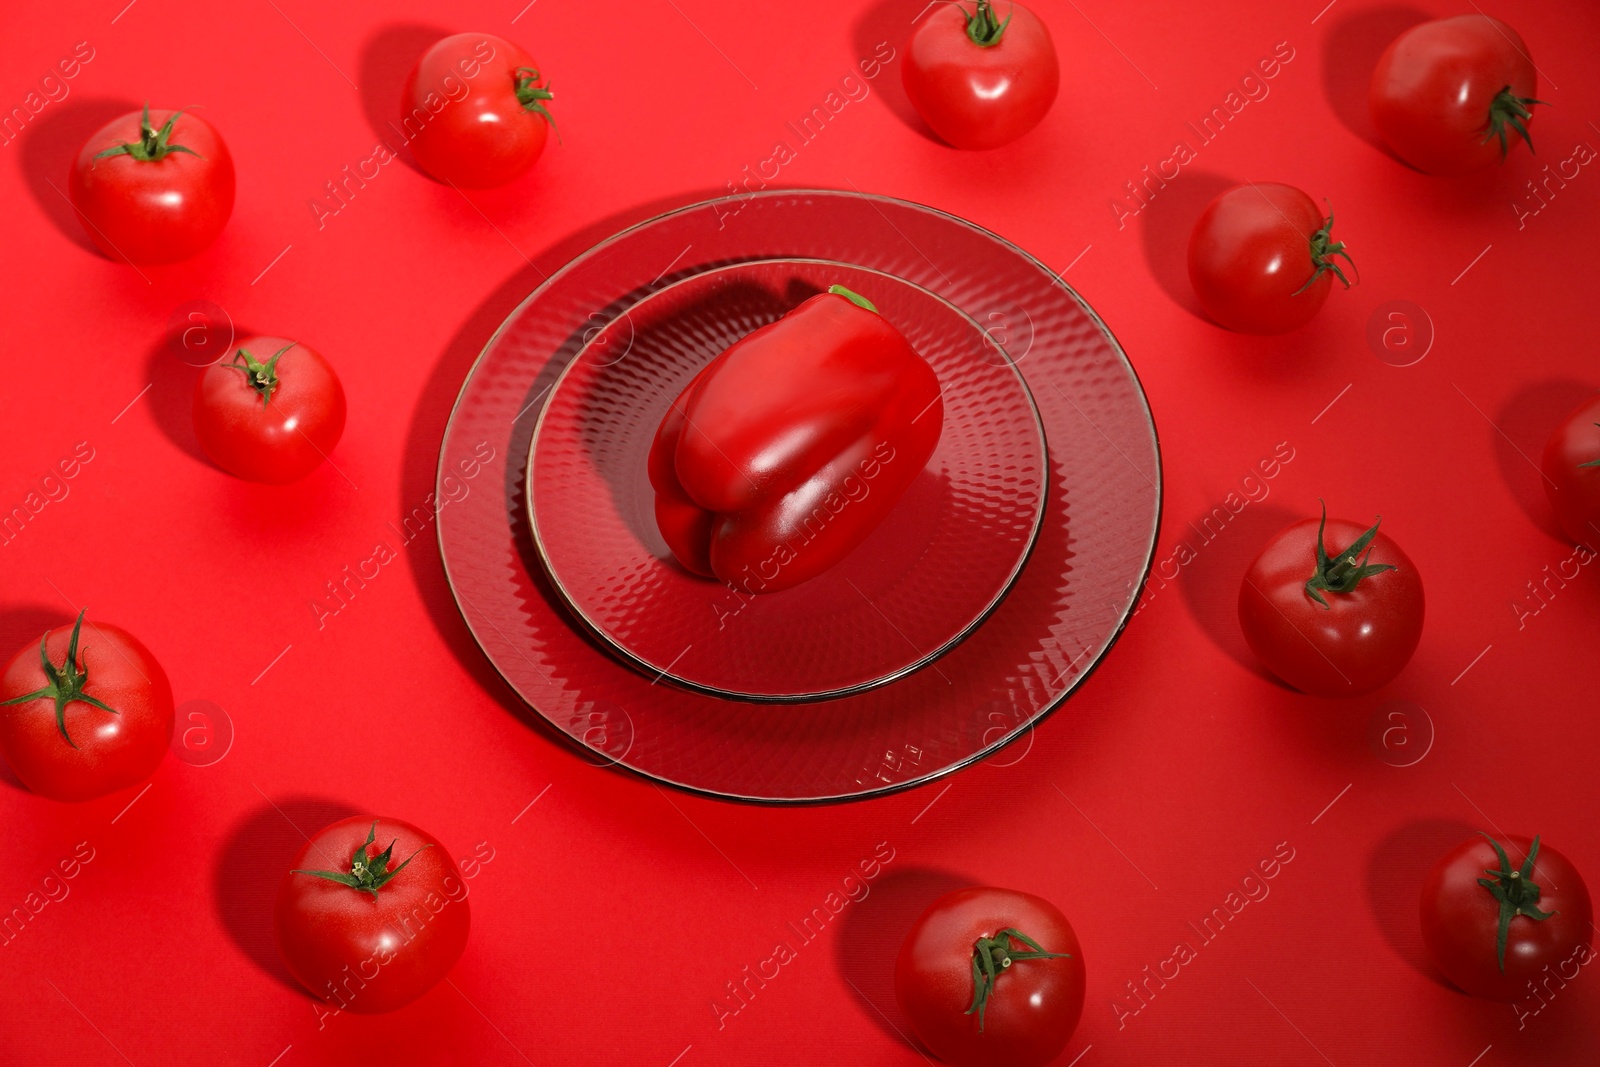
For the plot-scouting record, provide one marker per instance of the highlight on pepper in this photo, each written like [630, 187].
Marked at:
[790, 447]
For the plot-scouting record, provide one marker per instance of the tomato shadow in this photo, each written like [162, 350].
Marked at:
[250, 865]
[892, 21]
[171, 398]
[386, 61]
[1395, 871]
[1165, 223]
[1223, 546]
[868, 941]
[1350, 51]
[424, 438]
[1522, 425]
[50, 143]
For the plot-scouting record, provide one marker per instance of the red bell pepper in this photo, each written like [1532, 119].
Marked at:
[789, 447]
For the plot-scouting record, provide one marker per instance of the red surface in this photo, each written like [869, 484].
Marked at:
[612, 914]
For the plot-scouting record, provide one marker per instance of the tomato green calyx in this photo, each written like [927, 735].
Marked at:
[1509, 109]
[153, 145]
[983, 28]
[66, 683]
[1514, 892]
[1593, 462]
[1323, 250]
[531, 95]
[367, 874]
[262, 377]
[854, 297]
[992, 956]
[1344, 571]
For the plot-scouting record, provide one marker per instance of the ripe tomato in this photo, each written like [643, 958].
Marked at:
[271, 413]
[1497, 915]
[991, 977]
[1262, 258]
[1444, 92]
[154, 187]
[361, 935]
[981, 81]
[1332, 624]
[80, 723]
[1572, 473]
[475, 110]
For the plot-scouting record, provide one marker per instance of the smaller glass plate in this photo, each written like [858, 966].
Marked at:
[920, 582]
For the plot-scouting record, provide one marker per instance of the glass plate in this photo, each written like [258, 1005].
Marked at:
[924, 579]
[1061, 616]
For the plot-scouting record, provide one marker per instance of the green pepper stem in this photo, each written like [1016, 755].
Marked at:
[854, 297]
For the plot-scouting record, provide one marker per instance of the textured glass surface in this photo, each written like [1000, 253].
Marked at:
[1061, 615]
[942, 558]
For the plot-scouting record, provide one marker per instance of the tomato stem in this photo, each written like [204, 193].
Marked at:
[262, 377]
[1323, 250]
[531, 95]
[854, 297]
[1509, 109]
[992, 956]
[1514, 891]
[367, 873]
[1345, 570]
[65, 683]
[153, 145]
[983, 28]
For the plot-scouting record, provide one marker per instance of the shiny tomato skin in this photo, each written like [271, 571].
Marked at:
[1250, 259]
[371, 955]
[114, 751]
[979, 97]
[279, 441]
[1035, 1005]
[474, 132]
[1573, 487]
[1460, 920]
[1356, 644]
[153, 211]
[1432, 89]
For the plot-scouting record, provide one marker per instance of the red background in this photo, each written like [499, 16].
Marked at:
[613, 912]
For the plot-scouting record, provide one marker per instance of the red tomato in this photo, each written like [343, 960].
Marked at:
[475, 110]
[271, 413]
[365, 936]
[1497, 915]
[991, 977]
[1572, 473]
[981, 81]
[1262, 258]
[1337, 623]
[78, 723]
[153, 187]
[1444, 93]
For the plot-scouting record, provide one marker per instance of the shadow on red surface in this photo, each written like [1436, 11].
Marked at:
[890, 20]
[386, 62]
[250, 865]
[49, 150]
[1528, 418]
[1350, 51]
[866, 946]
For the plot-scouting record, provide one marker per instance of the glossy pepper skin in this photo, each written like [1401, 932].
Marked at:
[789, 448]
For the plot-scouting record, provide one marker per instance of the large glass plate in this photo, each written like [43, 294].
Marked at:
[1061, 616]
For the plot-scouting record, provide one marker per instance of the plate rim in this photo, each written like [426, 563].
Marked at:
[890, 789]
[634, 661]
